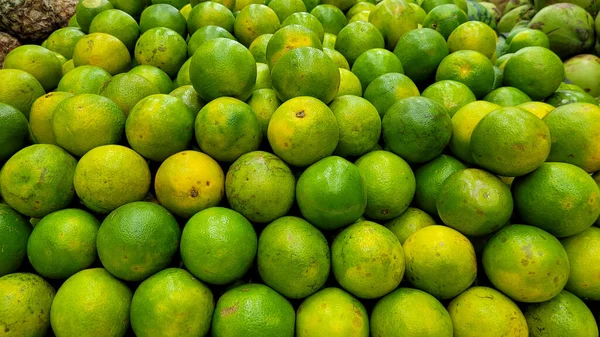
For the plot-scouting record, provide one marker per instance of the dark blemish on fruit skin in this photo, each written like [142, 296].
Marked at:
[300, 114]
[193, 192]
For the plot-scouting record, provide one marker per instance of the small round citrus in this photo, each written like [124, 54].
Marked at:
[463, 123]
[430, 178]
[536, 71]
[137, 240]
[163, 15]
[86, 10]
[163, 48]
[417, 129]
[507, 97]
[285, 8]
[218, 245]
[25, 302]
[331, 204]
[331, 17]
[210, 13]
[293, 257]
[374, 63]
[160, 126]
[189, 96]
[258, 47]
[421, 51]
[389, 88]
[264, 102]
[188, 182]
[451, 94]
[510, 142]
[582, 250]
[37, 61]
[171, 300]
[393, 18]
[86, 121]
[14, 131]
[367, 260]
[473, 35]
[469, 67]
[474, 202]
[445, 19]
[91, 303]
[17, 232]
[331, 312]
[558, 197]
[359, 124]
[390, 184]
[307, 20]
[19, 89]
[38, 180]
[440, 261]
[410, 312]
[528, 38]
[356, 38]
[118, 24]
[232, 70]
[127, 90]
[539, 109]
[253, 21]
[302, 131]
[227, 128]
[161, 80]
[483, 306]
[104, 51]
[110, 176]
[84, 80]
[526, 263]
[204, 34]
[260, 186]
[63, 41]
[289, 38]
[409, 222]
[40, 118]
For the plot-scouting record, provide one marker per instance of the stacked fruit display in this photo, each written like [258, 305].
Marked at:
[299, 168]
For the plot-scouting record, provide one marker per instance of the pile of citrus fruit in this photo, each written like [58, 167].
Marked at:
[337, 168]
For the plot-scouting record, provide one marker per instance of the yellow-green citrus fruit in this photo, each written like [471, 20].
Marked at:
[307, 20]
[137, 240]
[390, 184]
[25, 302]
[302, 131]
[189, 96]
[285, 8]
[393, 18]
[410, 312]
[232, 71]
[574, 137]
[421, 51]
[558, 197]
[510, 142]
[445, 19]
[188, 182]
[374, 63]
[264, 102]
[289, 38]
[451, 94]
[19, 89]
[163, 48]
[161, 80]
[38, 180]
[218, 245]
[356, 38]
[84, 122]
[63, 243]
[37, 61]
[349, 84]
[473, 35]
[331, 17]
[210, 13]
[293, 257]
[253, 309]
[127, 90]
[258, 47]
[331, 312]
[118, 24]
[331, 203]
[389, 88]
[227, 128]
[305, 71]
[40, 117]
[526, 263]
[430, 178]
[507, 96]
[463, 123]
[171, 301]
[528, 38]
[359, 124]
[409, 222]
[469, 67]
[110, 176]
[539, 109]
[582, 250]
[91, 303]
[367, 260]
[86, 10]
[159, 126]
[440, 261]
[16, 234]
[84, 80]
[536, 71]
[260, 186]
[486, 307]
[417, 128]
[204, 34]
[563, 315]
[102, 50]
[14, 131]
[63, 41]
[254, 21]
[163, 15]
[474, 202]
[263, 77]
[131, 7]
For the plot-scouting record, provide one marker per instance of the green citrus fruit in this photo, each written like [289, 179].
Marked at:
[469, 67]
[463, 123]
[37, 61]
[16, 234]
[430, 178]
[582, 250]
[359, 125]
[451, 94]
[367, 260]
[163, 48]
[63, 41]
[507, 97]
[14, 131]
[445, 19]
[374, 63]
[104, 51]
[393, 18]
[331, 17]
[163, 15]
[260, 186]
[473, 35]
[258, 47]
[389, 88]
[264, 102]
[19, 90]
[254, 21]
[87, 10]
[421, 51]
[127, 90]
[204, 34]
[210, 13]
[409, 222]
[356, 38]
[289, 38]
[118, 24]
[63, 243]
[161, 80]
[84, 80]
[307, 20]
[536, 71]
[190, 97]
[40, 118]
